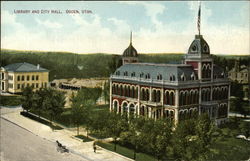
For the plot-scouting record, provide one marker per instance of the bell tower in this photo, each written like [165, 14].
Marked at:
[199, 55]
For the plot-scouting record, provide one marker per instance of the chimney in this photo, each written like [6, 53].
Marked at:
[38, 66]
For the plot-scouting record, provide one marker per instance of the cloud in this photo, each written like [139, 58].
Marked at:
[49, 24]
[87, 33]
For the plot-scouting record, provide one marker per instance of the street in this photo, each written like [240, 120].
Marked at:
[18, 144]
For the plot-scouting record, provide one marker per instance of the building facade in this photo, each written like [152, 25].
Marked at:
[241, 74]
[175, 91]
[15, 77]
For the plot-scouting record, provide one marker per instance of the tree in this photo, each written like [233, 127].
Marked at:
[27, 99]
[78, 111]
[161, 137]
[115, 126]
[204, 129]
[53, 102]
[182, 135]
[106, 92]
[82, 105]
[38, 98]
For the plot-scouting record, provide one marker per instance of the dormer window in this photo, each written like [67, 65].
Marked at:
[117, 73]
[147, 76]
[159, 77]
[223, 74]
[133, 74]
[141, 75]
[183, 77]
[192, 76]
[125, 73]
[172, 78]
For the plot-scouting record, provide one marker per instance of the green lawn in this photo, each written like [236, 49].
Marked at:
[126, 152]
[230, 148]
[84, 138]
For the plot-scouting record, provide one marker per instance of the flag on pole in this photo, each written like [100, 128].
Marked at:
[199, 19]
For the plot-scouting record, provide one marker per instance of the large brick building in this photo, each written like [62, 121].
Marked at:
[176, 91]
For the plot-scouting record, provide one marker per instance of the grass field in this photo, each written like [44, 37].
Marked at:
[84, 138]
[126, 152]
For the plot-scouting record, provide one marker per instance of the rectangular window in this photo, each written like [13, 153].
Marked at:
[28, 77]
[33, 77]
[23, 85]
[18, 86]
[18, 78]
[22, 77]
[37, 85]
[45, 84]
[2, 75]
[10, 77]
[10, 85]
[37, 77]
[33, 85]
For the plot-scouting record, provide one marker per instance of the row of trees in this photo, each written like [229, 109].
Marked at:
[44, 100]
[191, 139]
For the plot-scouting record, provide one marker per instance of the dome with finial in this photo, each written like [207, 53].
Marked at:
[199, 46]
[130, 51]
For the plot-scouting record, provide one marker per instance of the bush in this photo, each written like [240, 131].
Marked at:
[10, 100]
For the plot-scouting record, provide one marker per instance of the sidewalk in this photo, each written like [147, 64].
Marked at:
[66, 137]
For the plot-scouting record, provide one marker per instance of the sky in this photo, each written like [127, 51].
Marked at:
[104, 27]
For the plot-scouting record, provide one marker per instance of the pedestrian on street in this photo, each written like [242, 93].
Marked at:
[94, 146]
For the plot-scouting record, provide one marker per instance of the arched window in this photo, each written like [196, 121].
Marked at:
[171, 98]
[208, 95]
[129, 90]
[167, 97]
[147, 94]
[193, 76]
[183, 77]
[181, 98]
[154, 97]
[122, 90]
[135, 92]
[142, 110]
[143, 94]
[187, 98]
[158, 96]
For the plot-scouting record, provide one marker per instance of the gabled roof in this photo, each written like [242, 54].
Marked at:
[24, 67]
[165, 70]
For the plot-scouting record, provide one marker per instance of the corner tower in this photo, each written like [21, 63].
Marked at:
[130, 54]
[199, 56]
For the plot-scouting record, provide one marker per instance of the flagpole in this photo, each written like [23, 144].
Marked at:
[199, 18]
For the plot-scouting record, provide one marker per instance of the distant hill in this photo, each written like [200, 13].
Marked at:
[73, 65]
